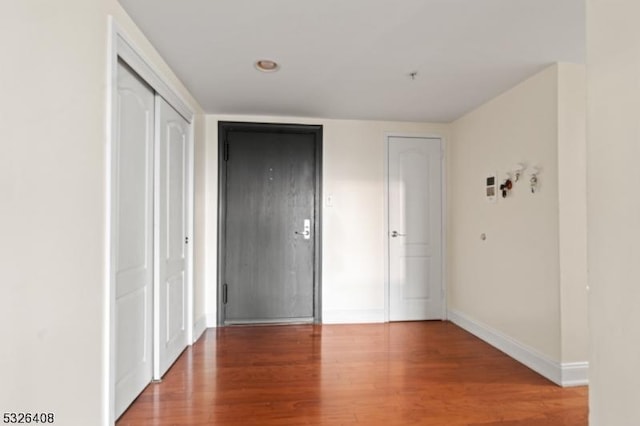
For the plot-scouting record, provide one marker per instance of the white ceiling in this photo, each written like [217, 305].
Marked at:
[351, 58]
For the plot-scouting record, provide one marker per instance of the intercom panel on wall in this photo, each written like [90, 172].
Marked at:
[491, 187]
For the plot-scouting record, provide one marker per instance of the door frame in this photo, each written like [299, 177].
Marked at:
[443, 206]
[224, 127]
[121, 47]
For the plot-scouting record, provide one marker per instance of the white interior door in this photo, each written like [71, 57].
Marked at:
[415, 229]
[171, 234]
[133, 236]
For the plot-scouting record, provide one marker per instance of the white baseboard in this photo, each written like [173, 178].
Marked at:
[212, 320]
[563, 374]
[352, 316]
[575, 374]
[199, 327]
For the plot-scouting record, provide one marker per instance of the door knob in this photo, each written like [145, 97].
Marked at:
[395, 234]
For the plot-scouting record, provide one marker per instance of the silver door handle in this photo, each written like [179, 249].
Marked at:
[306, 230]
[395, 234]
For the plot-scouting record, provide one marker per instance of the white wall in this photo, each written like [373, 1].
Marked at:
[613, 62]
[527, 280]
[52, 206]
[199, 229]
[572, 196]
[353, 229]
[510, 281]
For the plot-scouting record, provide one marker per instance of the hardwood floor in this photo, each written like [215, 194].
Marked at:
[415, 373]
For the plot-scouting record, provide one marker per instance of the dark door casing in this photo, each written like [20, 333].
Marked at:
[269, 186]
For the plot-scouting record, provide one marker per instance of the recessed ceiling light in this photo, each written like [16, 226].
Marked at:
[267, 65]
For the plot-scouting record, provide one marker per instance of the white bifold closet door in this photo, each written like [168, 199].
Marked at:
[149, 199]
[133, 236]
[171, 230]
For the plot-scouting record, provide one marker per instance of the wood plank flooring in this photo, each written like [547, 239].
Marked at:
[414, 373]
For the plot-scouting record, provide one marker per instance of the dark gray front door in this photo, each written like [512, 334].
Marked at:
[270, 214]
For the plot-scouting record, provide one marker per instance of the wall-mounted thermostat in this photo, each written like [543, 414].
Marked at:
[491, 188]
